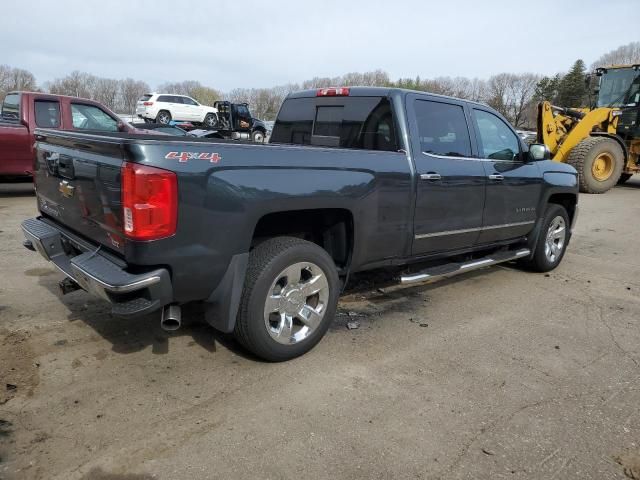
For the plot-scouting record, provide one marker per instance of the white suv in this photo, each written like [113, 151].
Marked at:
[164, 107]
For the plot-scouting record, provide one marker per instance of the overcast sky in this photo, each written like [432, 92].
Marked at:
[228, 44]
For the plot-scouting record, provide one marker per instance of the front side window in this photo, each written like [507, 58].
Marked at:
[11, 107]
[443, 129]
[496, 140]
[189, 101]
[47, 113]
[89, 117]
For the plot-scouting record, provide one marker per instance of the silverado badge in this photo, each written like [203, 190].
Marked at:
[66, 189]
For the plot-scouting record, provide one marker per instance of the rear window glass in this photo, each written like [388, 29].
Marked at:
[443, 129]
[11, 107]
[144, 98]
[47, 113]
[346, 122]
[89, 117]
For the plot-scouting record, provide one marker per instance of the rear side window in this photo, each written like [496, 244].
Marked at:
[47, 113]
[11, 107]
[145, 98]
[165, 98]
[347, 122]
[177, 99]
[89, 117]
[443, 129]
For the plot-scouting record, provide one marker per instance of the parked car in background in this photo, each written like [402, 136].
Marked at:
[22, 112]
[164, 107]
[265, 236]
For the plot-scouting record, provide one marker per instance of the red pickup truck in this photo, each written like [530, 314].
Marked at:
[23, 112]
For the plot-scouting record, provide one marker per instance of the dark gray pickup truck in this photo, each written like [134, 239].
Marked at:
[266, 236]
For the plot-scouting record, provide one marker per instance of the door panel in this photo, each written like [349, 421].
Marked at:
[513, 186]
[451, 183]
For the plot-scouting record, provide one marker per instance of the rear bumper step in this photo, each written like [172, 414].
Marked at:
[451, 269]
[129, 294]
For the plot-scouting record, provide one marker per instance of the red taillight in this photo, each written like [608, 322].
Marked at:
[333, 92]
[147, 104]
[149, 202]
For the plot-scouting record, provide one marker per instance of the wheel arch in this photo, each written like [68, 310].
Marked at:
[330, 228]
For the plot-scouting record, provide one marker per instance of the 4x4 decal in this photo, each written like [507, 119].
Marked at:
[184, 157]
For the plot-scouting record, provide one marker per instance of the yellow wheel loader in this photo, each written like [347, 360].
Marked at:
[601, 142]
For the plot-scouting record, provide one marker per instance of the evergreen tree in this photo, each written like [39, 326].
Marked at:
[547, 89]
[572, 91]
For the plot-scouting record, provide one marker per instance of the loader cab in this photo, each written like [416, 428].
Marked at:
[619, 88]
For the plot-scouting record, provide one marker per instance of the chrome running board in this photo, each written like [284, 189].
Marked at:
[455, 268]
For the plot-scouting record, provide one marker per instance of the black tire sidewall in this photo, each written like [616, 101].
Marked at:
[262, 343]
[540, 260]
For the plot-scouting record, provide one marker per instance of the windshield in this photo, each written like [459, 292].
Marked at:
[619, 87]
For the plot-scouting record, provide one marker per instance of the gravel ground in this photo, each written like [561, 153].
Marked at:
[496, 374]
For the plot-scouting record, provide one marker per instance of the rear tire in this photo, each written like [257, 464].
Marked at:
[552, 241]
[624, 177]
[599, 162]
[281, 315]
[163, 117]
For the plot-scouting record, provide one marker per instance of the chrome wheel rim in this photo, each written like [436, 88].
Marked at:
[556, 236]
[296, 303]
[210, 121]
[258, 138]
[164, 118]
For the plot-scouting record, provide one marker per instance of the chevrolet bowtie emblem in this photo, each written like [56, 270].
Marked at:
[65, 189]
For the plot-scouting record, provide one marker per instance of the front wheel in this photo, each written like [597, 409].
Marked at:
[211, 120]
[289, 298]
[599, 162]
[257, 136]
[552, 241]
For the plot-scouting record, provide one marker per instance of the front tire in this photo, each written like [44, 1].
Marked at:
[552, 241]
[289, 298]
[258, 136]
[599, 162]
[210, 121]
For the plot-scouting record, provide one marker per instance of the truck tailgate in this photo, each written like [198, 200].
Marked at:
[78, 185]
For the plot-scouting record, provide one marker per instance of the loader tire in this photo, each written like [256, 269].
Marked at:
[599, 162]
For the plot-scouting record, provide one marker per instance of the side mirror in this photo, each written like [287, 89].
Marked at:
[538, 151]
[122, 127]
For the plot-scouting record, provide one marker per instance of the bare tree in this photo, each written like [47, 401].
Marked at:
[625, 54]
[130, 92]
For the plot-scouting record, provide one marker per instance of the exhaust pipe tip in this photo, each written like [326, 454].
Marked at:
[171, 319]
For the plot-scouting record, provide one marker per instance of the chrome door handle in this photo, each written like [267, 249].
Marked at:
[496, 176]
[430, 176]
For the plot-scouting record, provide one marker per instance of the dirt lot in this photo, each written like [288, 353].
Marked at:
[497, 374]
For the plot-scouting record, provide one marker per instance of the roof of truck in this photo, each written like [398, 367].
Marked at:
[377, 91]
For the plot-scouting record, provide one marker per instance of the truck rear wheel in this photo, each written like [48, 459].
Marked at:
[599, 161]
[289, 298]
